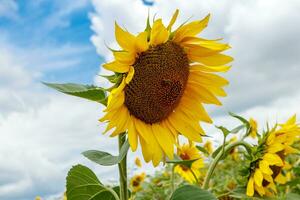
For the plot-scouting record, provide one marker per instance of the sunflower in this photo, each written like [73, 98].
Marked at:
[166, 76]
[138, 162]
[189, 152]
[275, 146]
[136, 182]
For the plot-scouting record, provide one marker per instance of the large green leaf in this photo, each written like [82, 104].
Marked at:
[190, 192]
[104, 158]
[83, 184]
[89, 92]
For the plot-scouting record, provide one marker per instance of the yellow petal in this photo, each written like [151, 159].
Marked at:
[207, 78]
[258, 177]
[193, 105]
[275, 147]
[250, 187]
[190, 29]
[264, 167]
[273, 159]
[184, 127]
[132, 135]
[146, 150]
[141, 42]
[121, 120]
[144, 130]
[268, 178]
[205, 68]
[212, 60]
[116, 102]
[164, 138]
[260, 190]
[124, 57]
[159, 34]
[116, 66]
[129, 75]
[125, 39]
[280, 179]
[157, 153]
[199, 51]
[172, 21]
[202, 94]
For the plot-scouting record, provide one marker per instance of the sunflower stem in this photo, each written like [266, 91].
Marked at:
[173, 179]
[219, 156]
[123, 170]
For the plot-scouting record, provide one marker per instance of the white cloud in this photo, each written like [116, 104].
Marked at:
[44, 132]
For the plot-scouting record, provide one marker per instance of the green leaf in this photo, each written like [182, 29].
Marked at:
[89, 92]
[115, 78]
[203, 150]
[83, 184]
[237, 129]
[191, 192]
[104, 158]
[243, 120]
[224, 130]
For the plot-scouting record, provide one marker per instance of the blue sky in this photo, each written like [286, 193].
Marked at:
[43, 131]
[45, 23]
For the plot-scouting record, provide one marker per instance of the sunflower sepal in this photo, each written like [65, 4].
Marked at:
[115, 78]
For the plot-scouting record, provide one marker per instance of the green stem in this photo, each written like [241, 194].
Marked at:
[219, 157]
[123, 170]
[173, 179]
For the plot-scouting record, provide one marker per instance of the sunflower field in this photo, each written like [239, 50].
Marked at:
[162, 78]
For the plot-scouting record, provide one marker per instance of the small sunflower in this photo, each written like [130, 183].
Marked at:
[138, 162]
[189, 152]
[166, 77]
[136, 182]
[274, 147]
[253, 126]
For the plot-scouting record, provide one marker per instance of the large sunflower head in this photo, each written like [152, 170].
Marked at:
[266, 170]
[189, 152]
[165, 77]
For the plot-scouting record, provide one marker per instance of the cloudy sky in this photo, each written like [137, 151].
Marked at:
[44, 132]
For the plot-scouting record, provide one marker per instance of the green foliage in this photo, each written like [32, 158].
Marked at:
[192, 193]
[203, 150]
[104, 158]
[89, 92]
[115, 78]
[83, 184]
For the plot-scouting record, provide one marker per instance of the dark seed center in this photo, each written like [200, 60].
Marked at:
[158, 83]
